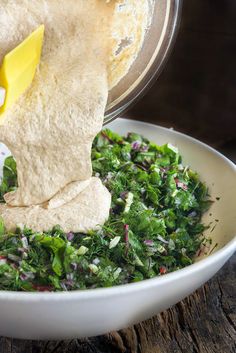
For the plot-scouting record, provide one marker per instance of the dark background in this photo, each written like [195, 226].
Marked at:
[196, 92]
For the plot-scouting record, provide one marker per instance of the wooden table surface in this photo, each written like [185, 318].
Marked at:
[195, 94]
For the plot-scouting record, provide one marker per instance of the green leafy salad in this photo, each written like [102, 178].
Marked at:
[154, 226]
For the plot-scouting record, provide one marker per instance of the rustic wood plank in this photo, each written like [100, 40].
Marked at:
[25, 346]
[5, 345]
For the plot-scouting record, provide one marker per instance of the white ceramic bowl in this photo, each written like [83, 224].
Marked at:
[96, 311]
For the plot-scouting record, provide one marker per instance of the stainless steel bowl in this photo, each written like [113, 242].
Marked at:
[157, 45]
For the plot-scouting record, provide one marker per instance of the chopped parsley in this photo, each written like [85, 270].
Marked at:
[154, 226]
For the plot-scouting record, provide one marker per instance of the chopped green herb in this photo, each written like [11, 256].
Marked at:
[154, 225]
[9, 181]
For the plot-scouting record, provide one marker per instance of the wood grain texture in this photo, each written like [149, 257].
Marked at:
[205, 322]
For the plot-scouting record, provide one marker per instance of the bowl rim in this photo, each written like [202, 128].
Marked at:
[86, 294]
